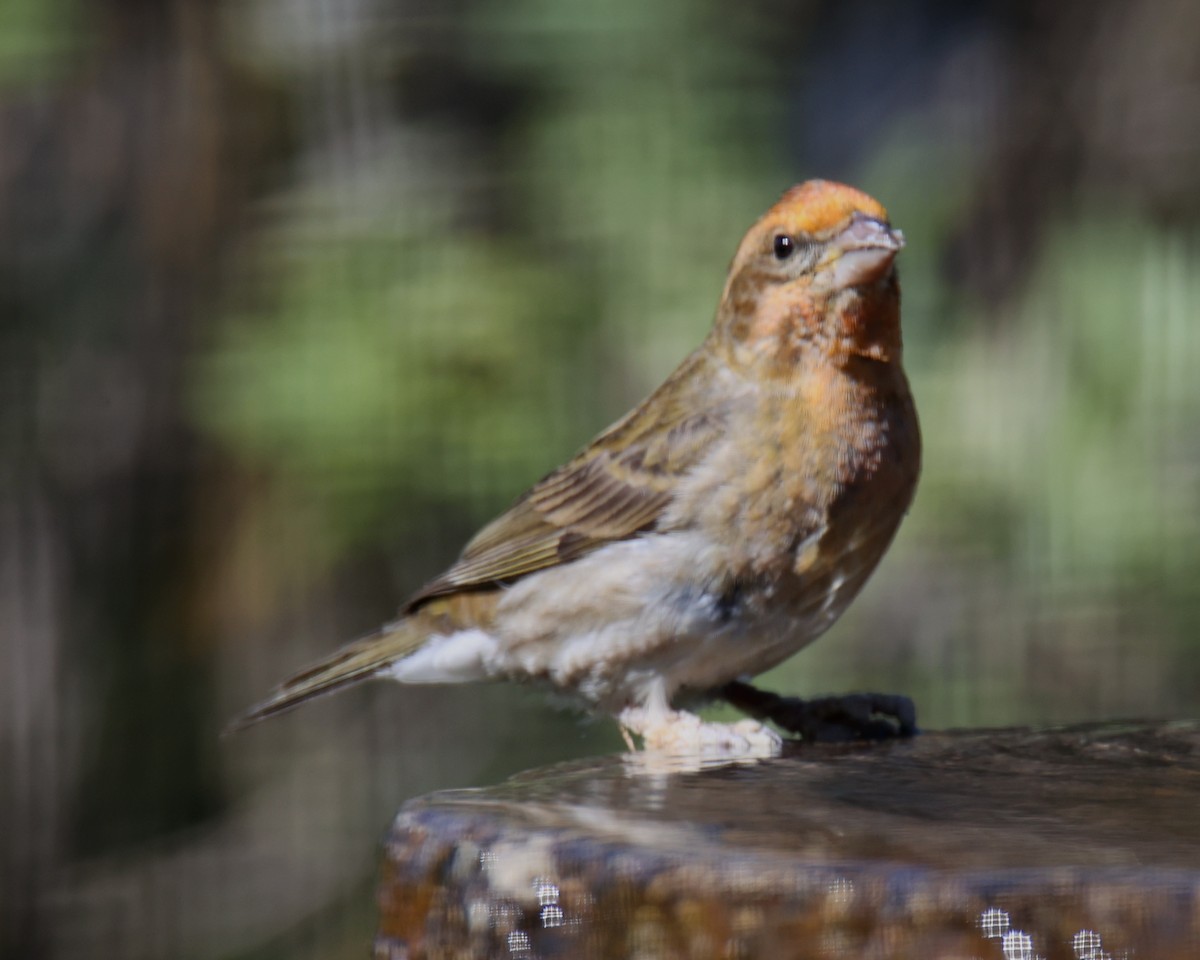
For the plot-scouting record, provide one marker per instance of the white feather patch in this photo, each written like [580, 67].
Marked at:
[451, 658]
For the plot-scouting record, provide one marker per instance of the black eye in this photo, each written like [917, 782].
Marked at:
[785, 246]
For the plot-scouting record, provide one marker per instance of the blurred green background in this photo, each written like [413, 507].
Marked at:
[294, 294]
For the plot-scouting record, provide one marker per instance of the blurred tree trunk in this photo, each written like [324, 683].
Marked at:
[1095, 104]
[120, 192]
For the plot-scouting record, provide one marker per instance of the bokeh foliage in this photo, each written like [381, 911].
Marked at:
[296, 295]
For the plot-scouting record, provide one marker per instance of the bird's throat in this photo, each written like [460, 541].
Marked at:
[867, 322]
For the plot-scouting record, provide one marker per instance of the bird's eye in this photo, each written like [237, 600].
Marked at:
[785, 246]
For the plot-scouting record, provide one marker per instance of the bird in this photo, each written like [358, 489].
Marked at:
[719, 527]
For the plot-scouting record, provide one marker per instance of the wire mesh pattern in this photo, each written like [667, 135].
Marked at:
[296, 294]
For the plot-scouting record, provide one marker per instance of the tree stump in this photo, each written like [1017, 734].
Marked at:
[1067, 844]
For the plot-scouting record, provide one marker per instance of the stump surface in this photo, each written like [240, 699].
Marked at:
[1080, 843]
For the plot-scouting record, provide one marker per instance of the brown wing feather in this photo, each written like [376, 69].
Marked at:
[618, 486]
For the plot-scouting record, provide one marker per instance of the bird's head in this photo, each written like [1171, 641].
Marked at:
[815, 275]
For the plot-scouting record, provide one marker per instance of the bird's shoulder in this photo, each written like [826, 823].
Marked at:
[621, 484]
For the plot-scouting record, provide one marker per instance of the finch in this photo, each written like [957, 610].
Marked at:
[715, 530]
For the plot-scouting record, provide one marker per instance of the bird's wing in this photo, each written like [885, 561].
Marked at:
[616, 487]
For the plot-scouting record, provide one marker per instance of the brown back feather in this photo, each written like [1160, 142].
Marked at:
[617, 487]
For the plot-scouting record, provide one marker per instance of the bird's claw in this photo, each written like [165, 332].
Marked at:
[679, 732]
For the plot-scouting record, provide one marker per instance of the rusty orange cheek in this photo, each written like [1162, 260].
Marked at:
[782, 316]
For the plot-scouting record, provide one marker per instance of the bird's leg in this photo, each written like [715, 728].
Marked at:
[855, 716]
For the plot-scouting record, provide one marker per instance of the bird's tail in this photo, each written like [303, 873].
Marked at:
[351, 664]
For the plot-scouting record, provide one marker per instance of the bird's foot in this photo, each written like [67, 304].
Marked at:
[679, 732]
[855, 716]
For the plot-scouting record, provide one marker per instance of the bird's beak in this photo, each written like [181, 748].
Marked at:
[863, 251]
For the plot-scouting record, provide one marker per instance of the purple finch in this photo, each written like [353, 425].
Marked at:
[715, 530]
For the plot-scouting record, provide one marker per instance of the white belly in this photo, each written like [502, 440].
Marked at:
[631, 624]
